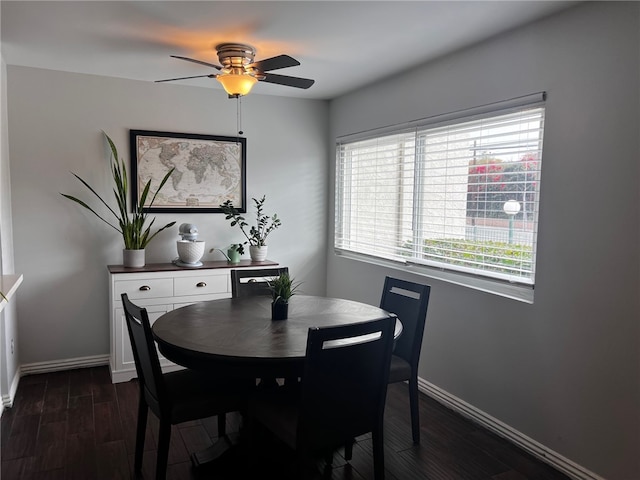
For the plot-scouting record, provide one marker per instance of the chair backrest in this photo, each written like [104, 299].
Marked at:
[144, 353]
[252, 282]
[344, 382]
[409, 301]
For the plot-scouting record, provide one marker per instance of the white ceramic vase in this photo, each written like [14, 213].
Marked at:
[258, 254]
[133, 258]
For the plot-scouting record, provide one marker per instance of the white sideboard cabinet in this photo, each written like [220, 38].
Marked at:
[161, 288]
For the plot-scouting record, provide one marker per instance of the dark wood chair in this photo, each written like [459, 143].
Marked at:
[341, 394]
[409, 301]
[252, 282]
[175, 397]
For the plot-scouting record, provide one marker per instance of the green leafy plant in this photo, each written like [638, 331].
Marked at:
[133, 227]
[238, 247]
[282, 288]
[265, 224]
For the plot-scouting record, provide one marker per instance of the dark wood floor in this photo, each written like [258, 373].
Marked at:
[77, 425]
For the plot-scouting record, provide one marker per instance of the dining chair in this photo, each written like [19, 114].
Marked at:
[174, 397]
[341, 394]
[253, 282]
[409, 301]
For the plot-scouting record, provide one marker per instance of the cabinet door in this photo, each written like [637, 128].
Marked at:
[123, 353]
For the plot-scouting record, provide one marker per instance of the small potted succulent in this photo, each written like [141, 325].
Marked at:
[257, 234]
[282, 289]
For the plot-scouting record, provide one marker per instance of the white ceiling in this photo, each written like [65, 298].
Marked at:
[342, 45]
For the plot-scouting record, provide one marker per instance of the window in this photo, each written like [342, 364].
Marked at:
[457, 193]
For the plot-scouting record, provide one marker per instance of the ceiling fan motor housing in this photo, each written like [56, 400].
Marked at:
[235, 55]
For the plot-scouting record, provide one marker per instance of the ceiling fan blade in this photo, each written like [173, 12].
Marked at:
[288, 81]
[217, 67]
[185, 78]
[274, 63]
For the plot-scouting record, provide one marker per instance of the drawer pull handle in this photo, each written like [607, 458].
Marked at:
[145, 288]
[201, 284]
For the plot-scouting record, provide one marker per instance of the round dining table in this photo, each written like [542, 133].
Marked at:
[237, 337]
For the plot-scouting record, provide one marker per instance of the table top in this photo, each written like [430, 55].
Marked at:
[240, 330]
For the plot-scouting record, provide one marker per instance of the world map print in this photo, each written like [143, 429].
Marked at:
[207, 172]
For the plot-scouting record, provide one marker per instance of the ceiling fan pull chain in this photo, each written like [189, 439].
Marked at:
[239, 114]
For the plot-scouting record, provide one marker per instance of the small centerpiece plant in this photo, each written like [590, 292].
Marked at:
[282, 289]
[257, 234]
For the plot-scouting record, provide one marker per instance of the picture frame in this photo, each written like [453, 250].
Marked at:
[209, 170]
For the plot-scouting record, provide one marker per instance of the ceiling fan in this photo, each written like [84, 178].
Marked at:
[239, 72]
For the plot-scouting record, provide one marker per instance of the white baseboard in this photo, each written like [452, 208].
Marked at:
[528, 444]
[8, 398]
[66, 364]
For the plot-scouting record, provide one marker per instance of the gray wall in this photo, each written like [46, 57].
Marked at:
[55, 123]
[565, 370]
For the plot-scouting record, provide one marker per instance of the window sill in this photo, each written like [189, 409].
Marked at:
[8, 285]
[512, 291]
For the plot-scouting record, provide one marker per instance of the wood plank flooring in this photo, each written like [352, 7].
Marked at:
[76, 424]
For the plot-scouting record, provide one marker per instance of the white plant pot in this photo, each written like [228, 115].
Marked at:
[190, 252]
[133, 258]
[258, 254]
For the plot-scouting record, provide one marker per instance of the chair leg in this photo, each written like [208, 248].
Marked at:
[378, 454]
[328, 457]
[250, 429]
[141, 429]
[222, 425]
[348, 449]
[415, 410]
[164, 438]
[301, 471]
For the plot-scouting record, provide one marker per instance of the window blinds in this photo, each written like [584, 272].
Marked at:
[435, 192]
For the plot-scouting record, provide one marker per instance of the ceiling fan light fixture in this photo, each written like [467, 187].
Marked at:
[237, 84]
[239, 73]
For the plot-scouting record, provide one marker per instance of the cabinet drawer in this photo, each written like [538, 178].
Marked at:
[149, 288]
[200, 285]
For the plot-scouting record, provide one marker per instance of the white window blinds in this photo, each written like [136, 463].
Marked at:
[453, 193]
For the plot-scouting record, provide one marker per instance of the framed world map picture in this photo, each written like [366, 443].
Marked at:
[209, 170]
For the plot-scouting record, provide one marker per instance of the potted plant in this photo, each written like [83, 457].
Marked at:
[133, 227]
[282, 289]
[257, 234]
